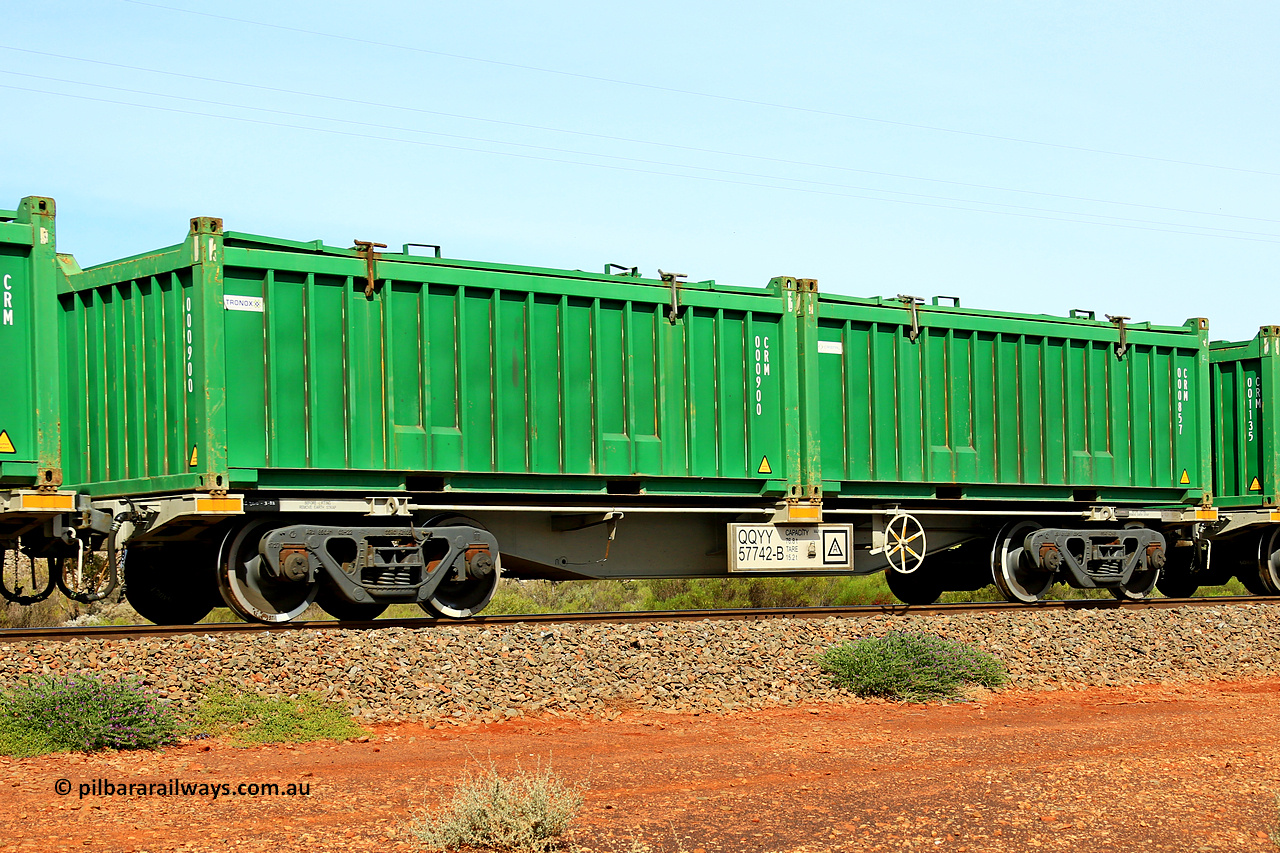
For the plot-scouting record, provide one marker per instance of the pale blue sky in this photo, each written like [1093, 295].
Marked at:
[1030, 156]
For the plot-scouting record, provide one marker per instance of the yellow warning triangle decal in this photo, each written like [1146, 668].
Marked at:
[764, 466]
[1185, 479]
[194, 457]
[1255, 486]
[6, 443]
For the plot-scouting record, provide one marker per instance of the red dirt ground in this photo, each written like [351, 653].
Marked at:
[1185, 768]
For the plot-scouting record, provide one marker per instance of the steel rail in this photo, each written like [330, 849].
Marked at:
[118, 632]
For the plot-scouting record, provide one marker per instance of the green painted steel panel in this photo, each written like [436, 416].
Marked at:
[983, 403]
[266, 359]
[30, 448]
[1244, 375]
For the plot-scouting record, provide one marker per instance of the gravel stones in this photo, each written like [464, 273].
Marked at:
[492, 673]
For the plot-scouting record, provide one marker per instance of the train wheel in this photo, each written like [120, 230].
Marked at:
[1176, 580]
[462, 599]
[1142, 583]
[1268, 563]
[1012, 571]
[170, 586]
[347, 611]
[915, 588]
[247, 587]
[1140, 587]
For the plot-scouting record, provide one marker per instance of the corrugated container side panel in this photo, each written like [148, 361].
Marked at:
[326, 424]
[1057, 401]
[405, 360]
[478, 379]
[1002, 407]
[575, 403]
[126, 376]
[511, 387]
[17, 317]
[984, 417]
[365, 378]
[1240, 424]
[546, 375]
[701, 372]
[75, 392]
[642, 376]
[177, 332]
[442, 396]
[733, 383]
[609, 390]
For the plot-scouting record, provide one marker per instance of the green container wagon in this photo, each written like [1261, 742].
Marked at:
[31, 473]
[271, 423]
[247, 381]
[1001, 427]
[1246, 380]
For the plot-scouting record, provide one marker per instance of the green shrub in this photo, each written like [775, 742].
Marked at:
[909, 666]
[250, 718]
[528, 813]
[81, 713]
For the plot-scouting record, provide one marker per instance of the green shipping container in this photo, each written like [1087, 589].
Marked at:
[233, 361]
[938, 401]
[1244, 374]
[29, 434]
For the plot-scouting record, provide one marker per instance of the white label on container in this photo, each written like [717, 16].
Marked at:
[831, 347]
[243, 303]
[790, 547]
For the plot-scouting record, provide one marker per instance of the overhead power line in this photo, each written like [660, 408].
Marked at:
[638, 160]
[1200, 231]
[699, 94]
[614, 138]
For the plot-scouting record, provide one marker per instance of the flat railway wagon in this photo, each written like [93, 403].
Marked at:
[1246, 541]
[36, 513]
[269, 423]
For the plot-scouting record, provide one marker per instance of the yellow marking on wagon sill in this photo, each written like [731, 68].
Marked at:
[60, 502]
[6, 443]
[764, 466]
[219, 505]
[804, 512]
[1185, 479]
[1255, 486]
[194, 457]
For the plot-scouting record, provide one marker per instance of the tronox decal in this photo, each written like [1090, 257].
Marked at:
[243, 303]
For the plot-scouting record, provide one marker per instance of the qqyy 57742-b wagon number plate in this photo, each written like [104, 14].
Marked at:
[790, 547]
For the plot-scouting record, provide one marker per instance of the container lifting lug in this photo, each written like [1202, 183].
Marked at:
[911, 302]
[621, 269]
[673, 279]
[1122, 345]
[366, 250]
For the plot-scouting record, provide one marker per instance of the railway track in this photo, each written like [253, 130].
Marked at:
[118, 632]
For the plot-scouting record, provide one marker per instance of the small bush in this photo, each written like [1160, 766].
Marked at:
[911, 667]
[81, 713]
[528, 813]
[250, 718]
